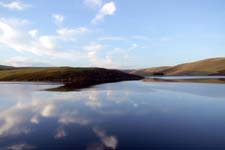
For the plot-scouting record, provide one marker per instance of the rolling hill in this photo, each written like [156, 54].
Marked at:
[71, 77]
[149, 71]
[5, 67]
[212, 66]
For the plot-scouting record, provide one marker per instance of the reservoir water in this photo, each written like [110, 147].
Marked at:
[123, 115]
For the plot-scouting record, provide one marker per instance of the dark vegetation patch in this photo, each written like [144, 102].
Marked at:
[73, 78]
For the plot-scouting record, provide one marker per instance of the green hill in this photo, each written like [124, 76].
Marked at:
[213, 66]
[71, 77]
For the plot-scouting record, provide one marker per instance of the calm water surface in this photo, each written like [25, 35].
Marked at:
[187, 77]
[124, 115]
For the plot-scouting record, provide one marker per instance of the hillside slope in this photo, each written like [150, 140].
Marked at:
[5, 67]
[213, 66]
[149, 71]
[72, 77]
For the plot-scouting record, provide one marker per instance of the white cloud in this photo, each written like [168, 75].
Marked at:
[93, 3]
[14, 5]
[14, 119]
[92, 50]
[28, 108]
[134, 46]
[92, 53]
[25, 61]
[108, 140]
[93, 100]
[33, 33]
[13, 36]
[72, 118]
[58, 18]
[60, 133]
[48, 110]
[10, 118]
[34, 120]
[93, 47]
[69, 34]
[106, 10]
[62, 45]
[47, 42]
[21, 146]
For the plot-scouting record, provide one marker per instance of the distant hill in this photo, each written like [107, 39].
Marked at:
[6, 67]
[213, 66]
[149, 71]
[71, 77]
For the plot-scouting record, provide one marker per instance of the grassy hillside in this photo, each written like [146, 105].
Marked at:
[213, 66]
[149, 71]
[72, 77]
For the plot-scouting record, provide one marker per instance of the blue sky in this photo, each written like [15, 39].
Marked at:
[110, 33]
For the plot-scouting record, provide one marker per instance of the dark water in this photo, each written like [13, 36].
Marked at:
[124, 115]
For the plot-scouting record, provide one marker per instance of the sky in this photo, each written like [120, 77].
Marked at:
[110, 33]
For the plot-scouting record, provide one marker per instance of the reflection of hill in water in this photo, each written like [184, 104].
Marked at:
[202, 87]
[100, 116]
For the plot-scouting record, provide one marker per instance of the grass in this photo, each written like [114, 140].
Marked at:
[213, 66]
[149, 71]
[203, 67]
[73, 78]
